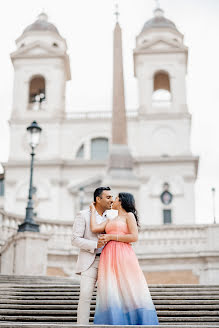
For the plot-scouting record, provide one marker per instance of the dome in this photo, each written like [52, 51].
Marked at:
[159, 21]
[41, 24]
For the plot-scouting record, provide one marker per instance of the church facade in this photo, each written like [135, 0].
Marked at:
[145, 151]
[72, 157]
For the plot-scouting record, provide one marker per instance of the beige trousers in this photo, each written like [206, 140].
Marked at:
[88, 282]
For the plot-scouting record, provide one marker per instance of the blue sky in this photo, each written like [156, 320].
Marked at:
[87, 26]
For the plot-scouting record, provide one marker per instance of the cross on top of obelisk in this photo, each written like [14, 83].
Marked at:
[157, 4]
[116, 13]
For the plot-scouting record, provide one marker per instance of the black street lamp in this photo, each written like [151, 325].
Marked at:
[81, 197]
[29, 224]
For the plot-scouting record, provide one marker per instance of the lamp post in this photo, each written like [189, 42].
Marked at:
[81, 197]
[213, 201]
[29, 224]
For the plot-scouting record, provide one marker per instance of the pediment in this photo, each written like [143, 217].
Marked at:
[90, 183]
[38, 49]
[162, 45]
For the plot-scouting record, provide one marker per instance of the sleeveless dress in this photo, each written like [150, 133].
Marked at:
[123, 297]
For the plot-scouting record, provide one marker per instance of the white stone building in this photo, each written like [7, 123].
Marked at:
[145, 151]
[72, 156]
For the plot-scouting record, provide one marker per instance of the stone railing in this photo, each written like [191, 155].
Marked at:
[96, 114]
[8, 225]
[59, 232]
[170, 240]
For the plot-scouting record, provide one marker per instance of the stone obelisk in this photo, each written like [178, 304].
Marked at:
[120, 174]
[120, 160]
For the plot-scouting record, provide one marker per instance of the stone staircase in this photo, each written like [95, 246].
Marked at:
[33, 301]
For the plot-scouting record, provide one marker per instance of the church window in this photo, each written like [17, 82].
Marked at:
[2, 187]
[99, 148]
[162, 93]
[80, 152]
[167, 216]
[55, 44]
[37, 92]
[93, 149]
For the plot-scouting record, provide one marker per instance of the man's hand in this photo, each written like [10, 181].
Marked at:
[101, 242]
[105, 238]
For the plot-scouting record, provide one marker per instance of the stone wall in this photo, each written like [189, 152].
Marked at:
[172, 277]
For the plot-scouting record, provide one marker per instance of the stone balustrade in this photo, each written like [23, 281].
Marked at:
[96, 114]
[153, 240]
[172, 239]
[59, 232]
[191, 249]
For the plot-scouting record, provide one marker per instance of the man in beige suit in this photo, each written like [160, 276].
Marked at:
[90, 249]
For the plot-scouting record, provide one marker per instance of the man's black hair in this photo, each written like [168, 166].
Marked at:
[98, 192]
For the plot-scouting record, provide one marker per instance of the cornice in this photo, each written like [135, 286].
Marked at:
[168, 159]
[55, 163]
[63, 119]
[78, 162]
[171, 51]
[165, 116]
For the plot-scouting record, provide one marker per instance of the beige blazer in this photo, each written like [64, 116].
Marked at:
[83, 238]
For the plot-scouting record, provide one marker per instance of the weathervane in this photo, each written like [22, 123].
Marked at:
[116, 13]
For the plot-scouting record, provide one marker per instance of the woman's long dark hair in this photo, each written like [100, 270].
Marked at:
[128, 204]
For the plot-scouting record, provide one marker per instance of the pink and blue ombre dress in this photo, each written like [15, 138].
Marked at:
[123, 297]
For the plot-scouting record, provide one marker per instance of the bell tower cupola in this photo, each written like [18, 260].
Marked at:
[41, 67]
[160, 63]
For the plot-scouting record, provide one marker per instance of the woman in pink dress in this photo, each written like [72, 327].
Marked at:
[123, 297]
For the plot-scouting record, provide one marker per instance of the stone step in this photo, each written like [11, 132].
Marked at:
[72, 319]
[5, 277]
[39, 282]
[74, 312]
[73, 285]
[53, 288]
[187, 297]
[69, 325]
[36, 280]
[72, 297]
[72, 302]
[74, 307]
[76, 286]
[48, 301]
[42, 298]
[76, 293]
[188, 319]
[67, 284]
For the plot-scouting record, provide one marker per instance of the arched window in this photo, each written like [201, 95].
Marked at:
[37, 92]
[99, 148]
[80, 152]
[162, 94]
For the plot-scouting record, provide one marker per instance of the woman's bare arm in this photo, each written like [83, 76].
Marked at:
[94, 226]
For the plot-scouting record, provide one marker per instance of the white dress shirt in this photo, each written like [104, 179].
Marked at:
[100, 219]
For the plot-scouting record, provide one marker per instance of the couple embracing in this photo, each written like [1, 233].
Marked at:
[106, 257]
